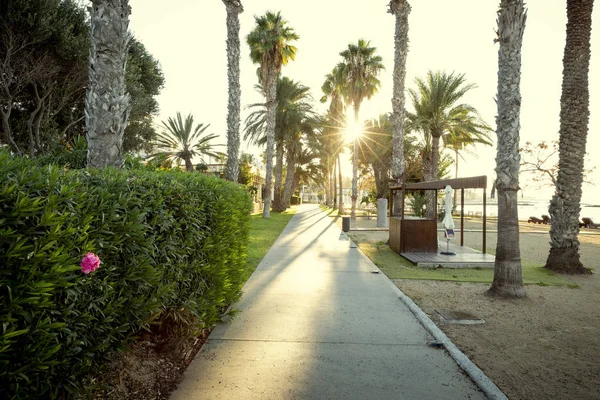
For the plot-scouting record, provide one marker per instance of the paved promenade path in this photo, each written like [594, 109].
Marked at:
[316, 323]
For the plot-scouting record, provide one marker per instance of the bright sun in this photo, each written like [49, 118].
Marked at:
[353, 130]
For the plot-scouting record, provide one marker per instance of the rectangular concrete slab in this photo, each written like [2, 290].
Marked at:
[274, 370]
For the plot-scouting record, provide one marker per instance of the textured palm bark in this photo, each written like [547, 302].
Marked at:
[565, 205]
[107, 105]
[508, 277]
[290, 162]
[428, 176]
[271, 111]
[278, 172]
[189, 167]
[354, 196]
[341, 193]
[400, 9]
[234, 8]
[334, 187]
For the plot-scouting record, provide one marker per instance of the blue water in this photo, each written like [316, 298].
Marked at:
[532, 209]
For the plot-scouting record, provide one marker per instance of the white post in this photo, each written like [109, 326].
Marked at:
[382, 218]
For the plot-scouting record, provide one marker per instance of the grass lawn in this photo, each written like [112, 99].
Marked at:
[263, 233]
[396, 267]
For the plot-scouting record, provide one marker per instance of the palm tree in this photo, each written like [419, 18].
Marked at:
[565, 205]
[437, 113]
[333, 88]
[106, 104]
[470, 132]
[375, 149]
[508, 276]
[400, 9]
[360, 67]
[183, 141]
[270, 47]
[295, 150]
[234, 8]
[293, 105]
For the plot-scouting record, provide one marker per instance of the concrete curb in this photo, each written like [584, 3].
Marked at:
[489, 388]
[485, 384]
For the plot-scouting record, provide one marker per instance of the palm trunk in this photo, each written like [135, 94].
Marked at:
[429, 176]
[400, 9]
[341, 195]
[234, 8]
[271, 111]
[574, 117]
[290, 161]
[355, 167]
[277, 205]
[107, 105]
[334, 192]
[455, 176]
[189, 167]
[508, 277]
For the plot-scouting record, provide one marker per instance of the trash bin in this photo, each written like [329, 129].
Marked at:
[346, 224]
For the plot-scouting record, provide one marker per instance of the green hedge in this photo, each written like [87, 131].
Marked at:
[166, 240]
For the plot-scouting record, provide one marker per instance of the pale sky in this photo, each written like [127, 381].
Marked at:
[188, 38]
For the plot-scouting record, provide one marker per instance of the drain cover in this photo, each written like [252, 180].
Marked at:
[459, 317]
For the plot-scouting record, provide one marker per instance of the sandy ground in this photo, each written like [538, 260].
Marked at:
[545, 346]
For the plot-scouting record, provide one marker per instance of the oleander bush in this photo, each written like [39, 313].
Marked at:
[167, 240]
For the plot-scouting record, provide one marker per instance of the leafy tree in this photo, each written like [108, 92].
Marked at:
[182, 141]
[144, 80]
[508, 276]
[360, 67]
[270, 47]
[107, 105]
[43, 53]
[234, 9]
[565, 205]
[245, 165]
[44, 47]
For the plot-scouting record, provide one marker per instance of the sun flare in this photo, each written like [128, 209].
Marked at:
[353, 130]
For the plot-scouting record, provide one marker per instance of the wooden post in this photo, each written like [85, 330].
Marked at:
[391, 203]
[462, 217]
[402, 202]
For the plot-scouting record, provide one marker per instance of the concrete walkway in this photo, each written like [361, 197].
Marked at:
[315, 323]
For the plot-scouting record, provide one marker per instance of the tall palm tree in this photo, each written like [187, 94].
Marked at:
[361, 66]
[400, 9]
[508, 276]
[270, 47]
[565, 205]
[234, 8]
[333, 89]
[107, 105]
[182, 141]
[293, 105]
[437, 113]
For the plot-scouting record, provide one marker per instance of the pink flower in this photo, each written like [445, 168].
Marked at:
[89, 263]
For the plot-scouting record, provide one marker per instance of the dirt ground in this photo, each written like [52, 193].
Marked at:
[545, 346]
[150, 369]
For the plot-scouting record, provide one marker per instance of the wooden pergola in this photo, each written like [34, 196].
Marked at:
[476, 182]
